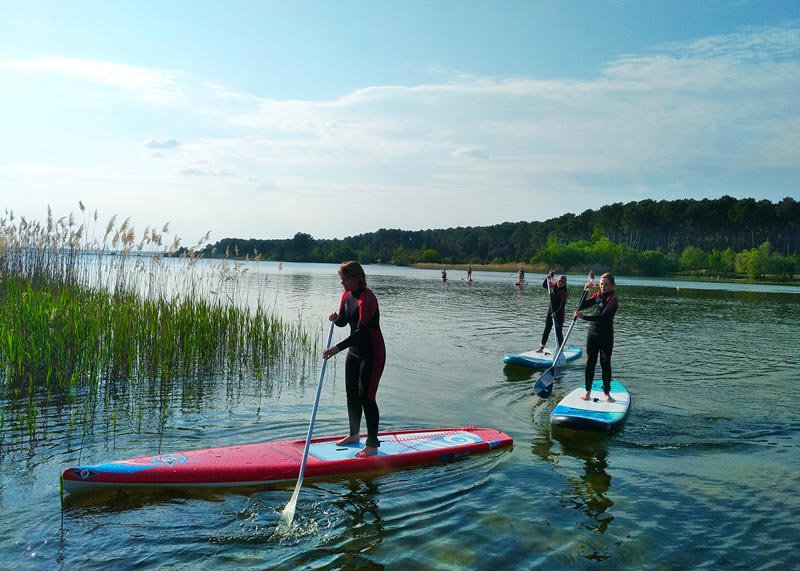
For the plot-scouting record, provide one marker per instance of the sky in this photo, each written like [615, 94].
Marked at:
[262, 119]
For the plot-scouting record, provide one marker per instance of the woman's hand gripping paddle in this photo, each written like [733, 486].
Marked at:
[287, 515]
[544, 384]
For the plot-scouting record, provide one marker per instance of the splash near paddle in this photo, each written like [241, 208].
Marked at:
[272, 462]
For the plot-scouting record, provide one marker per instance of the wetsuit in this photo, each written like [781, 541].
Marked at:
[365, 359]
[600, 336]
[558, 302]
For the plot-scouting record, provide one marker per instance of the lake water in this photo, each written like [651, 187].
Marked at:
[705, 473]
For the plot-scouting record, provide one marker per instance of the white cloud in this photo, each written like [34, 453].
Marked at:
[148, 84]
[163, 143]
[640, 105]
[195, 171]
[469, 153]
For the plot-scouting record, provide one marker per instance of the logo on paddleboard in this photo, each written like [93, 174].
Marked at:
[168, 459]
[83, 473]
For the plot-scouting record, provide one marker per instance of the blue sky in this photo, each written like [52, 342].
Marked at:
[260, 119]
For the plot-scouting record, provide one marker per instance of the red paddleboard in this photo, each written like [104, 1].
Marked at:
[270, 462]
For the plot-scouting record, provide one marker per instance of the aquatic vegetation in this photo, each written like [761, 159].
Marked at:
[91, 326]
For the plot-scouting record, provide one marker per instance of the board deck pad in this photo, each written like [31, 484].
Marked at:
[270, 462]
[596, 414]
[394, 445]
[543, 359]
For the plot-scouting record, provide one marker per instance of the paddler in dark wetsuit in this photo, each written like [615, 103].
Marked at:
[366, 356]
[555, 312]
[600, 337]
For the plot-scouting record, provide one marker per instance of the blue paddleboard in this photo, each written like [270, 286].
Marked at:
[544, 359]
[595, 414]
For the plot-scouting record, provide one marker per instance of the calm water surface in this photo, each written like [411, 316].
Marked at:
[705, 474]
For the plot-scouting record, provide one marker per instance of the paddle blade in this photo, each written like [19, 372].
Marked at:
[287, 515]
[544, 384]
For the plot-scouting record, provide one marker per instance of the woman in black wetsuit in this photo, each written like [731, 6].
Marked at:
[600, 337]
[366, 356]
[555, 311]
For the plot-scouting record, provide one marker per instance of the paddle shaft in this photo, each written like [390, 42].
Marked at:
[314, 411]
[569, 331]
[550, 303]
[288, 511]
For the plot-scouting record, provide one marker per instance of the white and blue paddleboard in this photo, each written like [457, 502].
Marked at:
[543, 359]
[594, 414]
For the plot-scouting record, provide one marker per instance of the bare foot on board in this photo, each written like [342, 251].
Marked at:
[367, 451]
[352, 439]
[609, 398]
[587, 396]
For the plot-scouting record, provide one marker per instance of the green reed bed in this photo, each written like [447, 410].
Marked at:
[97, 330]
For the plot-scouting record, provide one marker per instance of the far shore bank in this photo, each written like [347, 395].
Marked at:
[512, 267]
[542, 269]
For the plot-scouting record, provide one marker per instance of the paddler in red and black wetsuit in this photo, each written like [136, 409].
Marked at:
[366, 356]
[600, 337]
[555, 312]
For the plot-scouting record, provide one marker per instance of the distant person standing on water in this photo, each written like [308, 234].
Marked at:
[600, 337]
[469, 273]
[444, 275]
[555, 311]
[366, 357]
[521, 276]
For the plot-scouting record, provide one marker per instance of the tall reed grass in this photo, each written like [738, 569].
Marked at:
[94, 326]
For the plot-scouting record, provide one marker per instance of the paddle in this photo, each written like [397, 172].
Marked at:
[544, 384]
[550, 281]
[287, 515]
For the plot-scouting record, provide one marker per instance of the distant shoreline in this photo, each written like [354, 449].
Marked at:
[512, 267]
[541, 269]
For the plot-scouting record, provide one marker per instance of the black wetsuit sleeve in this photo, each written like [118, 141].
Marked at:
[589, 302]
[609, 309]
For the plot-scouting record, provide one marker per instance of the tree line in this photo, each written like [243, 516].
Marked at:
[720, 237]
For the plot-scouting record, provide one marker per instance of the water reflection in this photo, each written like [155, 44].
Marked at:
[515, 374]
[365, 528]
[101, 502]
[591, 487]
[588, 491]
[360, 501]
